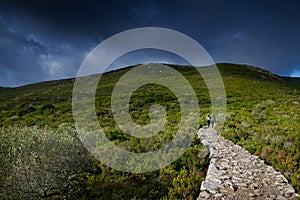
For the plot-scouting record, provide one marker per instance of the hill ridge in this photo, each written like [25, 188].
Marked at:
[57, 81]
[234, 173]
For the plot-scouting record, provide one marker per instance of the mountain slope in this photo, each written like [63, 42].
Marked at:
[263, 116]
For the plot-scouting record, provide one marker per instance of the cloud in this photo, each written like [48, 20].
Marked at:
[43, 41]
[28, 56]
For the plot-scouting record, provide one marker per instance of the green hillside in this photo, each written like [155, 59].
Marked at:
[42, 156]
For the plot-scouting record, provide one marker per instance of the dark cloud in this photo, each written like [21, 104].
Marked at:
[42, 40]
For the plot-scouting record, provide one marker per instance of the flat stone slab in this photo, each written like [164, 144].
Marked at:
[234, 173]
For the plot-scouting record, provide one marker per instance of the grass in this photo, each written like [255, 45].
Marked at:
[262, 116]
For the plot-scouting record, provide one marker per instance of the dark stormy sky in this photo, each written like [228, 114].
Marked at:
[46, 40]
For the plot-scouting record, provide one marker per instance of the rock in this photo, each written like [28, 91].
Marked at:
[204, 195]
[289, 189]
[234, 173]
[219, 195]
[210, 187]
[252, 194]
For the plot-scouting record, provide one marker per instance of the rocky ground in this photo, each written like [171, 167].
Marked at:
[234, 173]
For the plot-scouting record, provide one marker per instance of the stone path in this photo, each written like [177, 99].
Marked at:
[234, 173]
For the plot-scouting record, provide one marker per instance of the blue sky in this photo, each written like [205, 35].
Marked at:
[46, 40]
[295, 73]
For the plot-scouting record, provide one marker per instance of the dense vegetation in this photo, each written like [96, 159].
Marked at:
[264, 117]
[42, 156]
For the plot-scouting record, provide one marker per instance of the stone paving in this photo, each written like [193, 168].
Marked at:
[234, 173]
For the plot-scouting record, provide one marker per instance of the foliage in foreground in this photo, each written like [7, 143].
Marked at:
[52, 163]
[38, 162]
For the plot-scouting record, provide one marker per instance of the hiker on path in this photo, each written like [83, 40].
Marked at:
[213, 121]
[208, 120]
